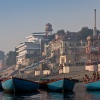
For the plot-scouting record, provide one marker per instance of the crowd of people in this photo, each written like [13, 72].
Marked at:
[95, 76]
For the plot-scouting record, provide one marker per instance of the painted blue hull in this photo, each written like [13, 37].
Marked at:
[0, 85]
[8, 85]
[61, 85]
[19, 85]
[93, 85]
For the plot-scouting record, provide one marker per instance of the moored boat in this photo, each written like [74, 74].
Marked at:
[1, 84]
[61, 85]
[14, 84]
[94, 85]
[43, 86]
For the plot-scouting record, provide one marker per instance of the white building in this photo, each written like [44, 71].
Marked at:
[26, 50]
[36, 36]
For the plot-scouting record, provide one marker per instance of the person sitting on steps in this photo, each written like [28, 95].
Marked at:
[97, 75]
[94, 76]
[86, 79]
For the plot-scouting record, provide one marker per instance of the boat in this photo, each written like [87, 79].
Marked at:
[14, 84]
[61, 85]
[94, 85]
[1, 84]
[43, 85]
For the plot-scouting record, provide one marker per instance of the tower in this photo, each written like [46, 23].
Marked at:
[48, 29]
[94, 31]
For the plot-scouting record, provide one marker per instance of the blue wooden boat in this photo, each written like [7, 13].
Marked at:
[61, 85]
[14, 84]
[95, 85]
[1, 84]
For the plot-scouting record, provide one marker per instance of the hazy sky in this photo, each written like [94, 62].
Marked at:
[20, 18]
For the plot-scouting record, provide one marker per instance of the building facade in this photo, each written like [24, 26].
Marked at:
[67, 46]
[26, 51]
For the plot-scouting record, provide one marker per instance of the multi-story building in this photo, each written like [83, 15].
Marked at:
[30, 49]
[92, 48]
[26, 51]
[93, 44]
[69, 47]
[2, 56]
[36, 36]
[39, 36]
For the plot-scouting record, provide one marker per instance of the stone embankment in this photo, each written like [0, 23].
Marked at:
[74, 74]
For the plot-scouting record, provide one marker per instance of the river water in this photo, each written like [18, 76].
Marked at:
[51, 96]
[80, 93]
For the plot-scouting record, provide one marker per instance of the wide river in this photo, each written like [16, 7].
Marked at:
[80, 93]
[43, 95]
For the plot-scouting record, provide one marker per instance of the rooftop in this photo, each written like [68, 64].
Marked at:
[39, 33]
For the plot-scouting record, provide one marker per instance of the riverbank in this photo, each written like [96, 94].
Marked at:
[75, 75]
[79, 74]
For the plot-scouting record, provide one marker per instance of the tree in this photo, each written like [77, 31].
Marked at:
[84, 33]
[11, 58]
[61, 32]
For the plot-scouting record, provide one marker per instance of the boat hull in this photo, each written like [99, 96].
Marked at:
[61, 85]
[19, 85]
[68, 85]
[93, 85]
[8, 85]
[1, 85]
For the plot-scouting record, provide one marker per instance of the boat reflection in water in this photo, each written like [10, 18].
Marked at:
[52, 96]
[79, 94]
[95, 94]
[7, 97]
[43, 95]
[22, 96]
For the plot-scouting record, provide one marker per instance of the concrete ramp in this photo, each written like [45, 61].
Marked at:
[79, 87]
[7, 73]
[81, 93]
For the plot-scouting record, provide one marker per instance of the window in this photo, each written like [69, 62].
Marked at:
[62, 60]
[83, 44]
